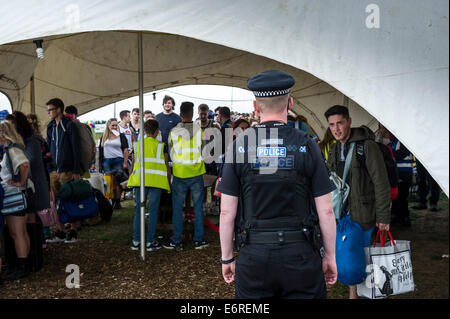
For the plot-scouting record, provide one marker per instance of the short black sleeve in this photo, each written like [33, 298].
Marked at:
[315, 165]
[229, 184]
[124, 142]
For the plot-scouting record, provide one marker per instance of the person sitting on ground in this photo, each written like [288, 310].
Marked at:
[113, 155]
[157, 177]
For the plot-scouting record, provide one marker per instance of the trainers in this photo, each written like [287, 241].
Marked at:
[433, 208]
[135, 245]
[71, 237]
[155, 245]
[171, 245]
[201, 244]
[58, 237]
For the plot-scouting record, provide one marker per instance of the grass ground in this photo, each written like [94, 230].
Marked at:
[109, 269]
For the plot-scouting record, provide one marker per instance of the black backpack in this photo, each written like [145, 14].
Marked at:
[388, 157]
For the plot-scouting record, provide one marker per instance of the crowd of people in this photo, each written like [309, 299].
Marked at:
[175, 167]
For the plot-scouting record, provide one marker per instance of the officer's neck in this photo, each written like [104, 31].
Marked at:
[272, 118]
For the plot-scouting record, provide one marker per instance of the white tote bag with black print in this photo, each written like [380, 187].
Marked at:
[388, 267]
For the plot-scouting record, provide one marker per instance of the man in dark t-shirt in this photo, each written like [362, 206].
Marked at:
[167, 119]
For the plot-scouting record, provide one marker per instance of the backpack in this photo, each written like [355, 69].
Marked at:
[389, 162]
[87, 146]
[72, 211]
[75, 190]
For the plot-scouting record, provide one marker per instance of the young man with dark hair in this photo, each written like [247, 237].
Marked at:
[126, 129]
[63, 141]
[225, 122]
[135, 122]
[185, 146]
[369, 200]
[167, 119]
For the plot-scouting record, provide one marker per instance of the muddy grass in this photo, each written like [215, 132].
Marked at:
[109, 269]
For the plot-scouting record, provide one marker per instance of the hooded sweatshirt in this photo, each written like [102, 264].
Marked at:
[370, 198]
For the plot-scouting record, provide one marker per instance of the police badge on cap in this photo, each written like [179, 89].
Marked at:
[271, 83]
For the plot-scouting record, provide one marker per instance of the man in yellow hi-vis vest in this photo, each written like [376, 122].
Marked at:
[185, 141]
[157, 177]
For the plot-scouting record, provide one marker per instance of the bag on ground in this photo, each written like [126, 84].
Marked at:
[48, 216]
[389, 269]
[350, 258]
[105, 208]
[75, 190]
[72, 211]
[109, 190]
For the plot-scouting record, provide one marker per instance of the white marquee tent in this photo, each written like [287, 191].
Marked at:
[387, 60]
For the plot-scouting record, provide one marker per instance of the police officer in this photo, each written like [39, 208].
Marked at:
[276, 204]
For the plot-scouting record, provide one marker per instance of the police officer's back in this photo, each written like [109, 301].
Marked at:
[273, 180]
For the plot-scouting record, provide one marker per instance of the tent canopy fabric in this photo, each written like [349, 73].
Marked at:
[394, 71]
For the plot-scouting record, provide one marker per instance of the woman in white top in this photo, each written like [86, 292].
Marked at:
[16, 222]
[113, 153]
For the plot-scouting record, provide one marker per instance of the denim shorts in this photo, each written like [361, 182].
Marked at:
[111, 164]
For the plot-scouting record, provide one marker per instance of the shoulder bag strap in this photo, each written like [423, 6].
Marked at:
[348, 160]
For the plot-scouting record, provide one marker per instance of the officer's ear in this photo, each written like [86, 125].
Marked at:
[290, 103]
[256, 107]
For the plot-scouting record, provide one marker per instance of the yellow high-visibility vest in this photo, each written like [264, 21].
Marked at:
[187, 155]
[155, 170]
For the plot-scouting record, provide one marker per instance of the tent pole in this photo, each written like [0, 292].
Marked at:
[141, 142]
[32, 97]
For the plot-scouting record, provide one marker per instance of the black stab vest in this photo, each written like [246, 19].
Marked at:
[275, 192]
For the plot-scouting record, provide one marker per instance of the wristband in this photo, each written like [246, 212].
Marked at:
[225, 262]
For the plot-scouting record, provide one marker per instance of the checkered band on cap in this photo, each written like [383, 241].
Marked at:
[271, 93]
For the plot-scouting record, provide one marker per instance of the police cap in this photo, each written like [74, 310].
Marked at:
[271, 83]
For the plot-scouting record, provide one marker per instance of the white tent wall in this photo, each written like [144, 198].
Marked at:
[82, 71]
[397, 71]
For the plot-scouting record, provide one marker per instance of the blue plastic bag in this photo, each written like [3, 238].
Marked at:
[70, 211]
[350, 257]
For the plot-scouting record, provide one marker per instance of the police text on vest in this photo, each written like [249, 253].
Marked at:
[271, 151]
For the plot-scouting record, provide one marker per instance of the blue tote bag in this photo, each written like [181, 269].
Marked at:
[350, 256]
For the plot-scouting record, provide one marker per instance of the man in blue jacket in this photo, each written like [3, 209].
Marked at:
[63, 140]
